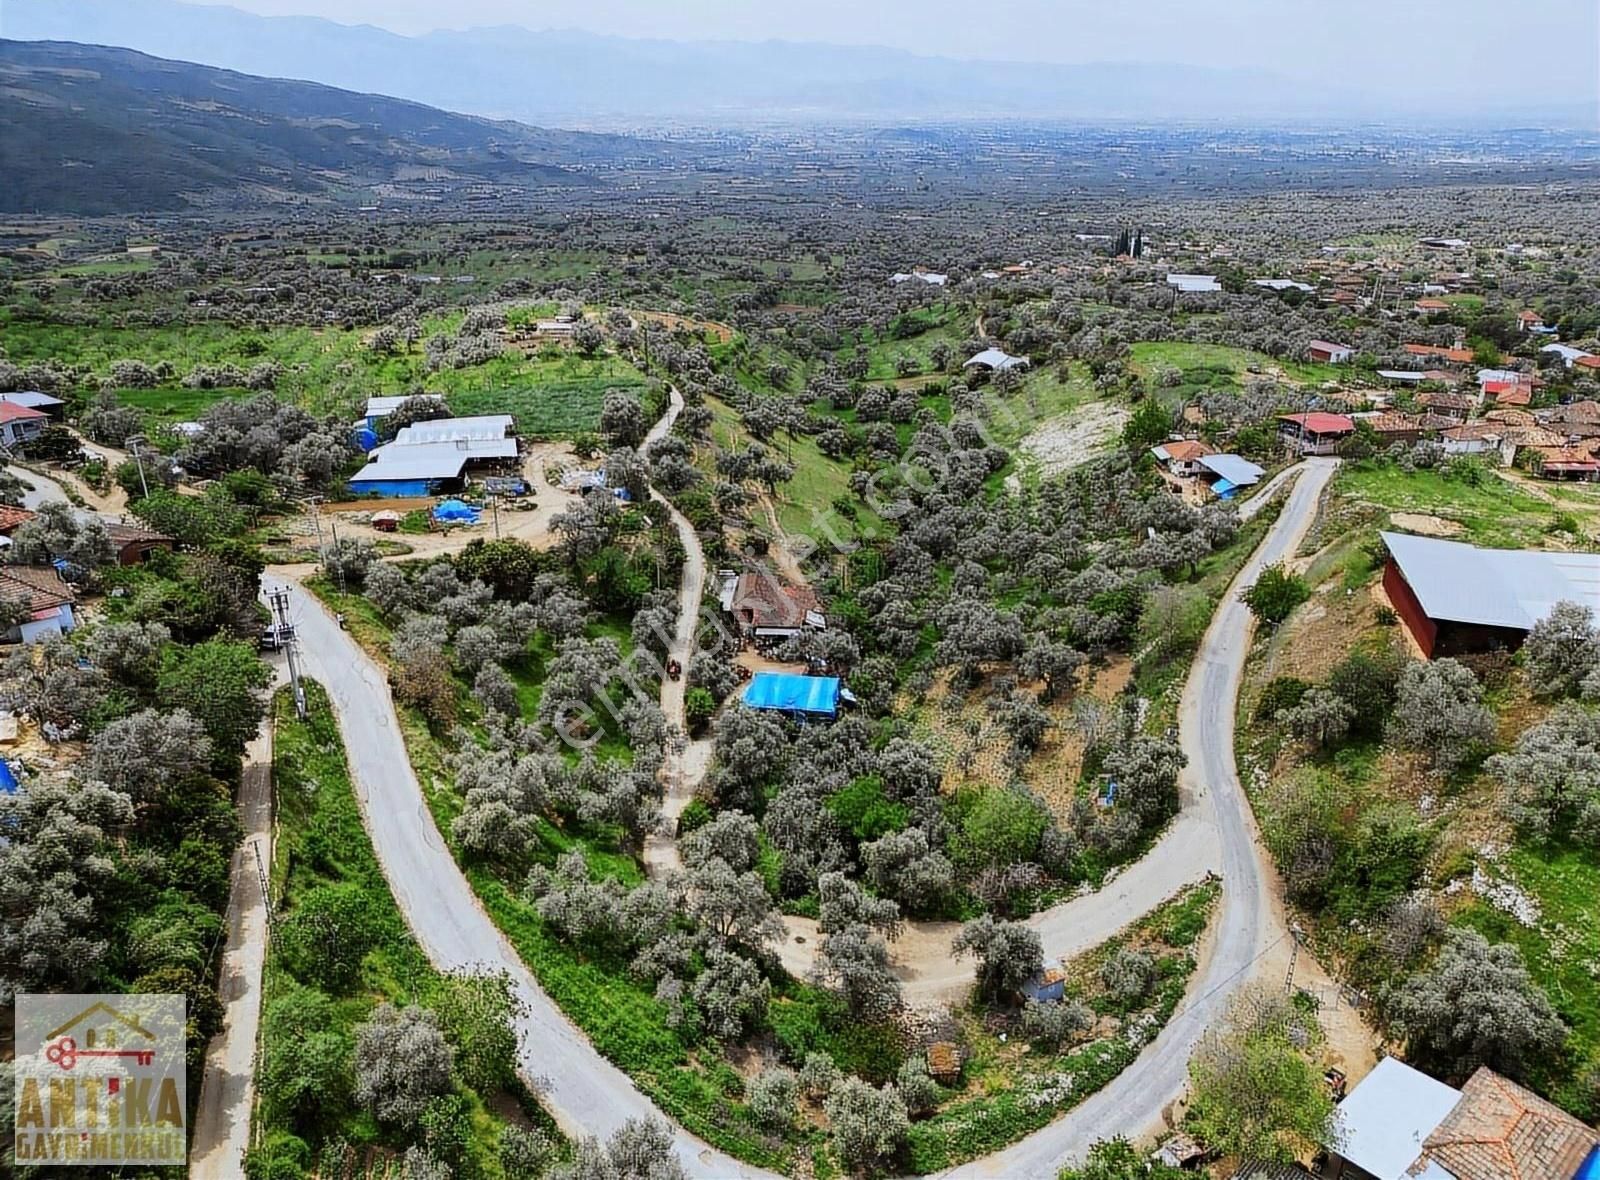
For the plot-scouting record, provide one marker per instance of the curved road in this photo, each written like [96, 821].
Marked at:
[1250, 925]
[589, 1095]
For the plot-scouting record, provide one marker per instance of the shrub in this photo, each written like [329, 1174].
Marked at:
[1275, 594]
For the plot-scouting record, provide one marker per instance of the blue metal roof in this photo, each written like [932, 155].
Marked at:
[1590, 1168]
[793, 694]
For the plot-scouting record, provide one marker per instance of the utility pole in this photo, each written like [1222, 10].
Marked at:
[316, 521]
[286, 637]
[266, 890]
[338, 565]
[494, 508]
[133, 441]
[1296, 933]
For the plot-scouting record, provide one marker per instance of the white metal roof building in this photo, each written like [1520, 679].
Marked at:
[1387, 1116]
[1457, 597]
[484, 427]
[32, 399]
[1240, 472]
[996, 359]
[382, 407]
[1194, 284]
[1566, 352]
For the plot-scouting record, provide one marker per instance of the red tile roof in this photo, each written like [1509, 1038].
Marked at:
[763, 599]
[11, 412]
[1186, 450]
[11, 517]
[1318, 422]
[1516, 395]
[43, 588]
[1588, 362]
[1456, 355]
[1500, 1131]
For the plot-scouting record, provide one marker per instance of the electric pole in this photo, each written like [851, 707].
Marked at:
[133, 441]
[316, 522]
[338, 565]
[286, 638]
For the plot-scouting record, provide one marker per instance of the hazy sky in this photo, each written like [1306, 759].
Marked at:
[1547, 47]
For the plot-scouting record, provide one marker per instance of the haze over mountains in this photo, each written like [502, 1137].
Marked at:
[90, 130]
[573, 77]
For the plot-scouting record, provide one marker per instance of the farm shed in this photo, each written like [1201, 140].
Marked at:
[1456, 598]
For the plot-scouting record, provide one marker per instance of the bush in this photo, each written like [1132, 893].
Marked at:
[1047, 1027]
[1281, 693]
[1275, 594]
[772, 1098]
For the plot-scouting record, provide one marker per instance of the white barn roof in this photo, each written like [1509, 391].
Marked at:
[1195, 284]
[994, 358]
[1512, 588]
[436, 461]
[488, 426]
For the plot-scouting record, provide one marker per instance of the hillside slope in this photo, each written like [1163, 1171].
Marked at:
[91, 130]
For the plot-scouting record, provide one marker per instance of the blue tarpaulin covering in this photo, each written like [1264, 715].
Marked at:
[8, 780]
[366, 438]
[1224, 489]
[789, 693]
[456, 512]
[1590, 1168]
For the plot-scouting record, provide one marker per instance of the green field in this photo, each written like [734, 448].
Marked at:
[1491, 512]
[331, 370]
[1148, 356]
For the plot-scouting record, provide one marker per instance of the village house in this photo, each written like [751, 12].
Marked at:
[768, 608]
[1180, 458]
[1454, 356]
[1194, 284]
[47, 602]
[1455, 406]
[1431, 306]
[1324, 352]
[20, 424]
[31, 399]
[1314, 433]
[1401, 1124]
[1488, 439]
[1392, 426]
[11, 519]
[1530, 321]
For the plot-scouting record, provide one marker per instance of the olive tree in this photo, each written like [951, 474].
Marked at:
[402, 1062]
[1440, 712]
[638, 1150]
[1554, 775]
[1476, 1005]
[1562, 649]
[1008, 953]
[869, 1125]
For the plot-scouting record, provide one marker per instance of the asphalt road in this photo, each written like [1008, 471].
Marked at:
[589, 1095]
[1250, 925]
[586, 1093]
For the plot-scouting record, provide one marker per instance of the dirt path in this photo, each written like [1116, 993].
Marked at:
[227, 1090]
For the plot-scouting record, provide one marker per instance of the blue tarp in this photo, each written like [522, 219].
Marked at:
[1590, 1168]
[366, 438]
[789, 693]
[8, 781]
[456, 511]
[1224, 489]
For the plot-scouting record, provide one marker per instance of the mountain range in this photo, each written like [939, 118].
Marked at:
[566, 76]
[92, 130]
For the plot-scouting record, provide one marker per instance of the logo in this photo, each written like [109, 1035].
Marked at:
[100, 1080]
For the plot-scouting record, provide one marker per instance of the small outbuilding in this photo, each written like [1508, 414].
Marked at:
[1325, 352]
[135, 543]
[1226, 474]
[997, 360]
